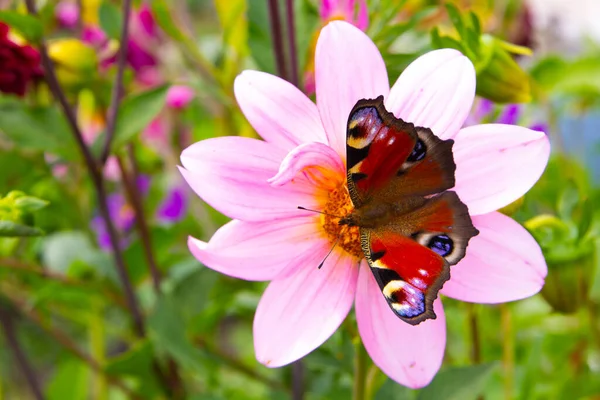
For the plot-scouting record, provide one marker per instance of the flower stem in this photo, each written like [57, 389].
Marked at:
[361, 360]
[508, 350]
[291, 36]
[474, 333]
[133, 193]
[24, 309]
[117, 89]
[277, 35]
[97, 179]
[375, 379]
[17, 265]
[96, 334]
[6, 320]
[298, 380]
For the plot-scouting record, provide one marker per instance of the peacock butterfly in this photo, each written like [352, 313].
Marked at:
[411, 227]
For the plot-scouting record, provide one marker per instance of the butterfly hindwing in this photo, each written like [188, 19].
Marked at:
[409, 274]
[441, 224]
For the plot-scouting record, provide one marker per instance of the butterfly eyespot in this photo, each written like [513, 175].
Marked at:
[441, 244]
[418, 152]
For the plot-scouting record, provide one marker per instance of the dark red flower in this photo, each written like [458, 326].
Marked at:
[19, 65]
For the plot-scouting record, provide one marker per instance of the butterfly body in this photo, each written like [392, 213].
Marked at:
[411, 227]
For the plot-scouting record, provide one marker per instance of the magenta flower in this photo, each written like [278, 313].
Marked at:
[353, 11]
[67, 14]
[301, 162]
[179, 96]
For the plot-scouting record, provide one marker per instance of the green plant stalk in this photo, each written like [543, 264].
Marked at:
[361, 360]
[474, 333]
[508, 351]
[375, 379]
[6, 322]
[97, 334]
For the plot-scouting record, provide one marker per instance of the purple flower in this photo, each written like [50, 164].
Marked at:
[173, 206]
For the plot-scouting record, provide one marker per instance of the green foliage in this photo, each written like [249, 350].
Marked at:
[15, 214]
[458, 383]
[61, 282]
[110, 18]
[136, 112]
[499, 77]
[28, 26]
[36, 128]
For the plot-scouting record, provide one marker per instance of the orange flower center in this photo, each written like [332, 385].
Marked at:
[340, 205]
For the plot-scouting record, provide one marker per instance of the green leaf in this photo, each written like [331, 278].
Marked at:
[456, 19]
[458, 383]
[136, 112]
[28, 26]
[167, 331]
[135, 361]
[111, 19]
[586, 218]
[70, 381]
[15, 229]
[391, 390]
[29, 204]
[37, 128]
[164, 19]
[73, 253]
[259, 36]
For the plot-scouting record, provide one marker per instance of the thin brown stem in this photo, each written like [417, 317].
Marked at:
[132, 302]
[135, 199]
[117, 89]
[66, 342]
[17, 265]
[6, 320]
[291, 36]
[298, 380]
[277, 36]
[97, 179]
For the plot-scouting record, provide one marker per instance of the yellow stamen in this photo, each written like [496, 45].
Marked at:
[340, 205]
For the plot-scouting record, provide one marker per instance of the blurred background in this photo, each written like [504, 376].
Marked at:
[68, 329]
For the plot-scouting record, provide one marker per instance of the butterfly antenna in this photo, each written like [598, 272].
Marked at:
[319, 212]
[328, 254]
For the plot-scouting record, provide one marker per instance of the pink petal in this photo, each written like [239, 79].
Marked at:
[231, 173]
[315, 158]
[348, 67]
[503, 263]
[410, 355]
[435, 91]
[259, 251]
[496, 164]
[278, 110]
[298, 313]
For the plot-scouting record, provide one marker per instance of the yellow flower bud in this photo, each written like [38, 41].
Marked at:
[76, 62]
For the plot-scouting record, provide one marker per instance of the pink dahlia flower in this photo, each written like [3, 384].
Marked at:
[301, 163]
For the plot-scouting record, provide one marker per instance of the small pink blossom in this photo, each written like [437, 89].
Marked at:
[179, 96]
[259, 184]
[67, 14]
[353, 11]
